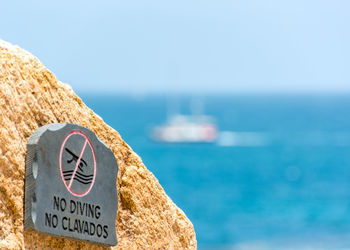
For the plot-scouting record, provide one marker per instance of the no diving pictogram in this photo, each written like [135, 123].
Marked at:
[77, 163]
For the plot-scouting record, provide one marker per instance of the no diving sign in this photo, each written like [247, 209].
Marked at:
[70, 185]
[77, 163]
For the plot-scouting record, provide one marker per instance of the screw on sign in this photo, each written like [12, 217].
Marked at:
[78, 163]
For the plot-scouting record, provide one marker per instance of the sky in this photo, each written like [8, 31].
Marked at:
[187, 46]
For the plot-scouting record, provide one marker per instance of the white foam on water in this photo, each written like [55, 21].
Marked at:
[242, 139]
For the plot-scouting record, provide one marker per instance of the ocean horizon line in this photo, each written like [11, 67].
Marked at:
[212, 94]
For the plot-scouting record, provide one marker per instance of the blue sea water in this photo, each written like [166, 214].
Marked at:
[292, 191]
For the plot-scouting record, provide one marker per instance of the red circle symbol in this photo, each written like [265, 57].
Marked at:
[77, 163]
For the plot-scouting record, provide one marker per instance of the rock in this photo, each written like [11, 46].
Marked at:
[30, 97]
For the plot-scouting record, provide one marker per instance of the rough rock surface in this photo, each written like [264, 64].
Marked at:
[30, 97]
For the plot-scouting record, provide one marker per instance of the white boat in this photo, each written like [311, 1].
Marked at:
[186, 129]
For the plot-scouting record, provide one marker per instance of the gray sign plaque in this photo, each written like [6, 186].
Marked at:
[70, 184]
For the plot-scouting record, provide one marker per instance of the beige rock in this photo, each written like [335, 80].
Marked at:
[30, 97]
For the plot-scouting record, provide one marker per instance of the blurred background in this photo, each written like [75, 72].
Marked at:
[239, 108]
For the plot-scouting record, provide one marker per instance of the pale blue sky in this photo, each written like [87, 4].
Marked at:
[187, 46]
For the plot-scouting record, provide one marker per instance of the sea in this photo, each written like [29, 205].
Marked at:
[283, 183]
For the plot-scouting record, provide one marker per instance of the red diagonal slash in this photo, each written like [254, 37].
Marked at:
[78, 161]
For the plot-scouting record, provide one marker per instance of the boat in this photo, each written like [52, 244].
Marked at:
[186, 129]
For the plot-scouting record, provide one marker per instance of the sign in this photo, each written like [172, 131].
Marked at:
[70, 185]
